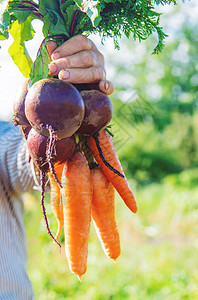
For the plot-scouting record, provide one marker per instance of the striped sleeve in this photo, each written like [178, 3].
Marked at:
[16, 176]
[16, 171]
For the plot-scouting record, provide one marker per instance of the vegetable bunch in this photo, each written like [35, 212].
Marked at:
[68, 142]
[66, 130]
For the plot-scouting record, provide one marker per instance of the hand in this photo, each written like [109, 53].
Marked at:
[78, 61]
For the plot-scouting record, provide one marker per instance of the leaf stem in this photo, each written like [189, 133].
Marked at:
[35, 12]
[28, 2]
[71, 30]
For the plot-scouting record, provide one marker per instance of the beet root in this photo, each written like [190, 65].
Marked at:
[98, 112]
[56, 103]
[25, 129]
[19, 116]
[38, 146]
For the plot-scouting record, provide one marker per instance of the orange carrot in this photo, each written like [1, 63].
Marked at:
[77, 197]
[103, 213]
[55, 198]
[109, 153]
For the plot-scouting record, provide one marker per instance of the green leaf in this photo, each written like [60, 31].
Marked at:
[90, 7]
[46, 5]
[18, 52]
[6, 19]
[79, 3]
[54, 24]
[4, 26]
[3, 35]
[40, 68]
[70, 11]
[22, 9]
[22, 15]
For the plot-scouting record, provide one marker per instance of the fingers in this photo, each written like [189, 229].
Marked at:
[74, 45]
[83, 59]
[51, 46]
[77, 75]
[78, 61]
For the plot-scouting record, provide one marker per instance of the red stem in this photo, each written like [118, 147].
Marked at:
[35, 12]
[71, 30]
[28, 2]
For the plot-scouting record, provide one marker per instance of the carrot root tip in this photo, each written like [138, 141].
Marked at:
[80, 278]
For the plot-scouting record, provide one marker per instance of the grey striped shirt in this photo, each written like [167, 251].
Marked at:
[16, 176]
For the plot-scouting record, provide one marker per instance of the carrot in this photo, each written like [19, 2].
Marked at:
[77, 197]
[109, 153]
[103, 213]
[56, 199]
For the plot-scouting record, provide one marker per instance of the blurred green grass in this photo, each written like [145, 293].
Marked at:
[159, 248]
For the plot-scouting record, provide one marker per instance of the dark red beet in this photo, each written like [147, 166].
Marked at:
[98, 112]
[56, 103]
[25, 129]
[19, 117]
[38, 144]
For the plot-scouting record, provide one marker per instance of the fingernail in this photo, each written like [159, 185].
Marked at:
[52, 68]
[55, 55]
[106, 85]
[65, 74]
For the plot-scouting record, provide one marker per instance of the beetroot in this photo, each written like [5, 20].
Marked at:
[98, 112]
[25, 129]
[19, 117]
[56, 103]
[38, 146]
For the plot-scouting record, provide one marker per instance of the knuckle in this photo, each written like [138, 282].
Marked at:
[87, 59]
[83, 41]
[101, 59]
[97, 74]
[66, 63]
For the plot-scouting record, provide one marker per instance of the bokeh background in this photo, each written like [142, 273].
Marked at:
[155, 125]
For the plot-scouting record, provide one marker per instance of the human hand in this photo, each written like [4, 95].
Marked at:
[78, 61]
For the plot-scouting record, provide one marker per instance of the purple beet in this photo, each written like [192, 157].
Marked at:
[25, 129]
[19, 117]
[38, 146]
[98, 112]
[54, 103]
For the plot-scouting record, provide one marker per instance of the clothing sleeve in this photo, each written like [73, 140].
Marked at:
[17, 173]
[16, 176]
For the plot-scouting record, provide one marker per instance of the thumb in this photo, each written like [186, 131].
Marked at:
[106, 87]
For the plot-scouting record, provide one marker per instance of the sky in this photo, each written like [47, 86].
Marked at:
[11, 78]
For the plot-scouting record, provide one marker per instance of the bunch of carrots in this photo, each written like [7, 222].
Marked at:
[88, 191]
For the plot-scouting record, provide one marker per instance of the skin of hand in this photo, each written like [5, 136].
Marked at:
[78, 61]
